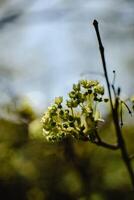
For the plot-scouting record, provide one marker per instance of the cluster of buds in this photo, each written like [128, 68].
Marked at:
[78, 117]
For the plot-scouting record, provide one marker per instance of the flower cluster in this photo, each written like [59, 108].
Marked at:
[79, 118]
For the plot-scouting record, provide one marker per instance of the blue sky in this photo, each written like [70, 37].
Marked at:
[52, 43]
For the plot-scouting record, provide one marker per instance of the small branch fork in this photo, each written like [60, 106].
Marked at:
[115, 113]
[104, 144]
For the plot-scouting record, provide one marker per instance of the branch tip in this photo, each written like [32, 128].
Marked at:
[95, 22]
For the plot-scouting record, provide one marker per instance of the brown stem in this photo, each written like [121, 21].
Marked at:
[108, 146]
[120, 139]
[95, 23]
[104, 144]
[122, 144]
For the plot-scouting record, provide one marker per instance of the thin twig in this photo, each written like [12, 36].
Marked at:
[104, 144]
[114, 91]
[127, 107]
[120, 139]
[95, 23]
[107, 145]
[113, 83]
[114, 77]
[121, 116]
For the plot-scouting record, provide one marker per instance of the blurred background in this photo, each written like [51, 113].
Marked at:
[45, 47]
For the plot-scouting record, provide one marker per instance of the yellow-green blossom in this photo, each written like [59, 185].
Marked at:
[79, 118]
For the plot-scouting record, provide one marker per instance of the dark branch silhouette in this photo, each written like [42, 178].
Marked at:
[9, 19]
[115, 109]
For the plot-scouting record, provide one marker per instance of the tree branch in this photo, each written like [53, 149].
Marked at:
[95, 23]
[104, 144]
[120, 139]
[108, 146]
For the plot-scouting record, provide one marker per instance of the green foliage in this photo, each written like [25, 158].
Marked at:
[80, 117]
